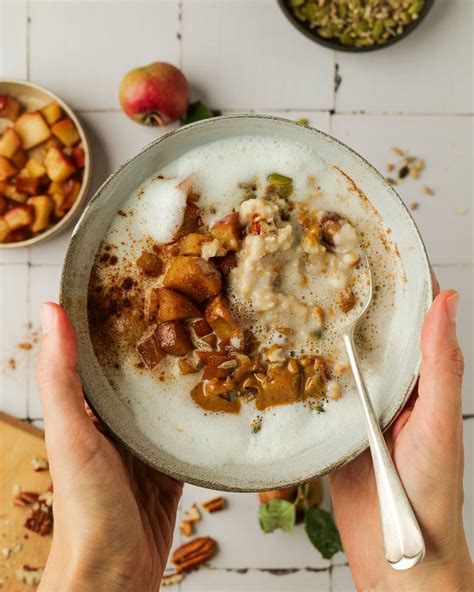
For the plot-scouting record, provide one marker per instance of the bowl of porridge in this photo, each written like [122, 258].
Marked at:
[209, 280]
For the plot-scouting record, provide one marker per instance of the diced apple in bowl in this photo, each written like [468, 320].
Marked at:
[9, 143]
[32, 129]
[59, 167]
[42, 161]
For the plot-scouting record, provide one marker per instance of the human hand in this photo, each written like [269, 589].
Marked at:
[427, 448]
[113, 515]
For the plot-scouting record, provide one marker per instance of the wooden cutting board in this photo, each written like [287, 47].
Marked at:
[19, 443]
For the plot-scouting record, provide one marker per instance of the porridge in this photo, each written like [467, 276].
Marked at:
[221, 287]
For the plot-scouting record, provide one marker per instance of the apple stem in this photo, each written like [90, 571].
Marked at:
[153, 119]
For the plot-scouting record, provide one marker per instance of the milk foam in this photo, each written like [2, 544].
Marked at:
[165, 410]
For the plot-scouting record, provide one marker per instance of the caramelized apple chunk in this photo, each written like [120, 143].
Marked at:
[51, 112]
[193, 276]
[9, 143]
[7, 169]
[164, 305]
[191, 244]
[43, 206]
[173, 338]
[191, 221]
[148, 349]
[9, 107]
[19, 217]
[4, 230]
[227, 231]
[58, 166]
[345, 299]
[150, 264]
[66, 131]
[220, 318]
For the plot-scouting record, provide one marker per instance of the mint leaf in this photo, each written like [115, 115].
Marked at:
[198, 111]
[275, 514]
[322, 532]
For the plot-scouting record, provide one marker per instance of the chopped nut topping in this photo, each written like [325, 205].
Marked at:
[174, 578]
[214, 505]
[193, 514]
[186, 528]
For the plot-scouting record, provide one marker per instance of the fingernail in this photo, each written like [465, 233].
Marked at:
[452, 306]
[46, 317]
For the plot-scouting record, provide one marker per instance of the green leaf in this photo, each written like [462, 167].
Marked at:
[196, 112]
[277, 513]
[322, 532]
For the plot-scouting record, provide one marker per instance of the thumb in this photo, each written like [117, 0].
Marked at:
[59, 384]
[442, 365]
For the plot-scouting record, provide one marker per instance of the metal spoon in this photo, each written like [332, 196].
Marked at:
[403, 541]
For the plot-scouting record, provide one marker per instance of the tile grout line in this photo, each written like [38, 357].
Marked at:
[28, 48]
[179, 33]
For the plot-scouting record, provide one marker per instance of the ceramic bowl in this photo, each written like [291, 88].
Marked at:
[346, 429]
[337, 45]
[35, 97]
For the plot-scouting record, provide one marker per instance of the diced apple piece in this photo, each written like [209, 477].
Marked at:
[191, 221]
[193, 276]
[227, 231]
[9, 107]
[79, 156]
[201, 327]
[52, 143]
[220, 318]
[191, 244]
[15, 195]
[4, 230]
[32, 129]
[7, 169]
[52, 112]
[58, 199]
[150, 264]
[35, 168]
[19, 217]
[66, 131]
[28, 185]
[43, 206]
[58, 166]
[73, 192]
[173, 338]
[3, 205]
[167, 305]
[20, 158]
[55, 187]
[9, 143]
[227, 263]
[148, 349]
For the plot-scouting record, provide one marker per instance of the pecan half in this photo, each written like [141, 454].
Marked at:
[214, 505]
[25, 498]
[39, 521]
[193, 554]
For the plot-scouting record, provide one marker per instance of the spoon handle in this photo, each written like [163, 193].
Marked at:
[403, 540]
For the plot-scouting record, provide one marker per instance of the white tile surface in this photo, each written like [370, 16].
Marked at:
[14, 330]
[445, 143]
[341, 579]
[238, 550]
[44, 286]
[250, 58]
[461, 278]
[13, 39]
[428, 72]
[317, 119]
[93, 44]
[468, 509]
[212, 580]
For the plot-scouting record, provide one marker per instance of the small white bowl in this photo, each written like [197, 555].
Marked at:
[35, 97]
[345, 436]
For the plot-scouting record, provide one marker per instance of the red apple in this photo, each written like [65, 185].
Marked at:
[154, 95]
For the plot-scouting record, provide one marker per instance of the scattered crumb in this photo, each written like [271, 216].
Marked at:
[302, 121]
[427, 189]
[186, 528]
[398, 151]
[12, 363]
[414, 205]
[193, 514]
[391, 180]
[390, 167]
[39, 463]
[29, 575]
[26, 345]
[174, 578]
[6, 552]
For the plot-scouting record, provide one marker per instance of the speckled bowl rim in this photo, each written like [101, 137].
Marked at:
[87, 176]
[389, 414]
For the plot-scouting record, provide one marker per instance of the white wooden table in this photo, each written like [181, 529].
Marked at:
[242, 55]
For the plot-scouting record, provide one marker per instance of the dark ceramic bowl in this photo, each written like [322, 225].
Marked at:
[334, 44]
